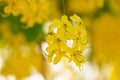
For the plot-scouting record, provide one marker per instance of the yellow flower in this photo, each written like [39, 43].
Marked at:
[106, 39]
[19, 61]
[84, 6]
[32, 11]
[115, 6]
[66, 39]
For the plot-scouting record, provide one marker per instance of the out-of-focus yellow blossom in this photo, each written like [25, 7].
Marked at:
[115, 6]
[106, 39]
[32, 11]
[84, 6]
[1, 0]
[9, 37]
[22, 61]
[67, 38]
[20, 58]
[54, 9]
[116, 72]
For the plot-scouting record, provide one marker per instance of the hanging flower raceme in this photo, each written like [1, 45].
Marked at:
[32, 11]
[67, 38]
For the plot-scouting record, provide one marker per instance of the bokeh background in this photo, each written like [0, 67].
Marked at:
[23, 29]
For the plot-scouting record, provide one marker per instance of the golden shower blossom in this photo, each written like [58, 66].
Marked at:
[32, 11]
[84, 6]
[67, 38]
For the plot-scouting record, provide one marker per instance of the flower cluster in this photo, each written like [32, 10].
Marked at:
[32, 11]
[81, 6]
[67, 38]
